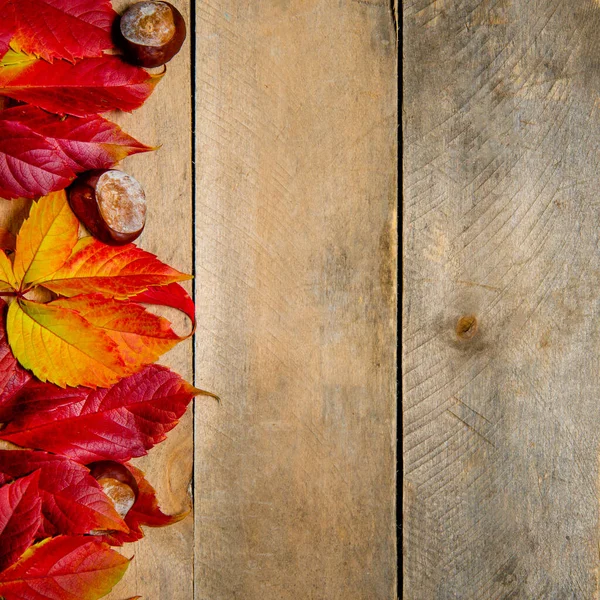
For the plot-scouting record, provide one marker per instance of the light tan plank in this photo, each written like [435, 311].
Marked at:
[163, 564]
[295, 243]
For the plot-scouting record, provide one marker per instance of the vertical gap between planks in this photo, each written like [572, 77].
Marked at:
[193, 197]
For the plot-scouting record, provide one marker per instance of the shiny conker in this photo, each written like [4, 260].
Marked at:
[151, 33]
[110, 204]
[117, 482]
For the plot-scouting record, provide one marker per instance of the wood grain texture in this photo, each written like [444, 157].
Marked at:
[295, 286]
[501, 223]
[163, 565]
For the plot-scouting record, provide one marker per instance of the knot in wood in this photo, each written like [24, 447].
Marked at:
[466, 327]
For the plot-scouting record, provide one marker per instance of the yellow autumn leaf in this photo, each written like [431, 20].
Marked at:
[8, 281]
[46, 239]
[60, 346]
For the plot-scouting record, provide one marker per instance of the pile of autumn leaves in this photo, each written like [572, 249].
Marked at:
[78, 386]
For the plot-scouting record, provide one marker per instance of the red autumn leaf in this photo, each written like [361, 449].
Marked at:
[118, 423]
[29, 163]
[72, 500]
[145, 511]
[35, 396]
[90, 86]
[84, 143]
[57, 28]
[41, 153]
[20, 518]
[172, 295]
[64, 568]
[12, 376]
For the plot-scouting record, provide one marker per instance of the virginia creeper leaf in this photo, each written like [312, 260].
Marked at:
[90, 86]
[72, 500]
[46, 239]
[41, 152]
[94, 339]
[141, 336]
[60, 346]
[29, 163]
[64, 568]
[172, 295]
[119, 423]
[57, 28]
[86, 340]
[12, 376]
[145, 511]
[20, 518]
[114, 271]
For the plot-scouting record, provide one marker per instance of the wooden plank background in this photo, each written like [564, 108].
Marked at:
[502, 302]
[290, 231]
[296, 289]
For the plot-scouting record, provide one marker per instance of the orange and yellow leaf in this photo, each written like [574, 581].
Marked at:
[46, 239]
[141, 337]
[114, 271]
[64, 568]
[58, 345]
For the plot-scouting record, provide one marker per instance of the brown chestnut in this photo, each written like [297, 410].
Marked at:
[114, 470]
[151, 33]
[122, 496]
[117, 482]
[110, 204]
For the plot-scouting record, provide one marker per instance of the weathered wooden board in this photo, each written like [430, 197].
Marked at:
[163, 565]
[501, 220]
[295, 285]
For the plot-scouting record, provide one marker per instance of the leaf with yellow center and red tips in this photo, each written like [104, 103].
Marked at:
[60, 346]
[114, 271]
[92, 336]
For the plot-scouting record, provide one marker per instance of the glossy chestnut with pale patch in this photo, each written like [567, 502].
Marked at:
[110, 204]
[118, 484]
[151, 33]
